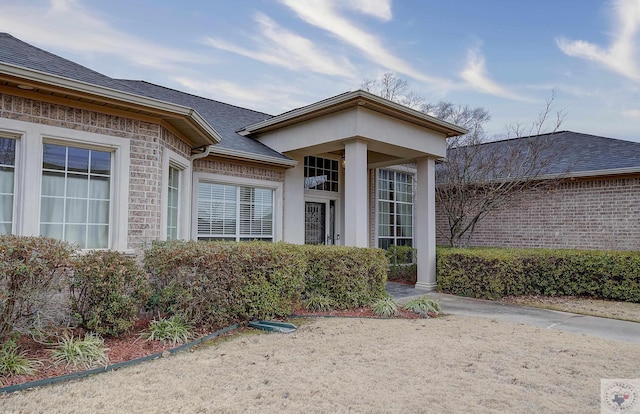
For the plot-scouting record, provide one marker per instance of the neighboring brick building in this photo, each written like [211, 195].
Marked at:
[596, 205]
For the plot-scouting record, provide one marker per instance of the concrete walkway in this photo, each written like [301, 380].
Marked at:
[544, 318]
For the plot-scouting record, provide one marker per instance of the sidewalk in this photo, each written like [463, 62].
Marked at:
[544, 318]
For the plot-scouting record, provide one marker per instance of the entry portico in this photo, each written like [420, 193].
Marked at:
[363, 132]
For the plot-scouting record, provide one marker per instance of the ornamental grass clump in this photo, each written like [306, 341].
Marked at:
[87, 352]
[318, 303]
[175, 330]
[424, 305]
[15, 362]
[386, 307]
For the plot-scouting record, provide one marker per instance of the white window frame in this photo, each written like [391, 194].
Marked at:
[275, 186]
[29, 156]
[411, 174]
[17, 138]
[183, 165]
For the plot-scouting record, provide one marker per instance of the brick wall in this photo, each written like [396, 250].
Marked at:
[601, 213]
[238, 169]
[147, 143]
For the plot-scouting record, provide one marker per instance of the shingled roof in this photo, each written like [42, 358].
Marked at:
[574, 154]
[18, 53]
[224, 118]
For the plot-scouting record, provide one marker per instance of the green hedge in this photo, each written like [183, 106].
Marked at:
[494, 273]
[215, 282]
[348, 277]
[107, 290]
[32, 269]
[209, 283]
[402, 266]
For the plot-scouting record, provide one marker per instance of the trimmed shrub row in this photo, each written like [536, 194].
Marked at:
[402, 266]
[207, 284]
[213, 283]
[493, 273]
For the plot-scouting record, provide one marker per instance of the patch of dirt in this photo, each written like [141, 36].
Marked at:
[626, 311]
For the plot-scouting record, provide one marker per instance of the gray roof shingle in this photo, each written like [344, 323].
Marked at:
[572, 152]
[18, 53]
[224, 118]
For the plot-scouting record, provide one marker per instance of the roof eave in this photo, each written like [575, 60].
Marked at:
[251, 157]
[170, 111]
[594, 173]
[350, 99]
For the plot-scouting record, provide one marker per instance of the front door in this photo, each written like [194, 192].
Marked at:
[319, 222]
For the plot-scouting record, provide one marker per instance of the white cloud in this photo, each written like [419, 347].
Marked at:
[475, 73]
[324, 15]
[268, 98]
[380, 9]
[632, 113]
[278, 46]
[67, 25]
[623, 54]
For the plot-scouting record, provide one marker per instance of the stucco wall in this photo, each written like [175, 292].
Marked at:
[582, 214]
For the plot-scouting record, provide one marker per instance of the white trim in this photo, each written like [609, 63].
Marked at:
[16, 211]
[253, 157]
[276, 186]
[173, 159]
[359, 97]
[29, 175]
[377, 200]
[125, 97]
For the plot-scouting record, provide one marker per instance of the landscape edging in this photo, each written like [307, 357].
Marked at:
[83, 374]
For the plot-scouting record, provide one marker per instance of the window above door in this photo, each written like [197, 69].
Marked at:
[321, 174]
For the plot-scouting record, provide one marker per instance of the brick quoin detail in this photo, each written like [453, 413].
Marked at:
[599, 213]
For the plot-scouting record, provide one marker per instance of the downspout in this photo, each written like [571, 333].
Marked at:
[202, 154]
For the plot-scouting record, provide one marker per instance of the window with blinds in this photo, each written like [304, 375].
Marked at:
[229, 212]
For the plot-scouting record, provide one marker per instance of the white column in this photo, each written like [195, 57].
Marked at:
[425, 224]
[293, 206]
[356, 197]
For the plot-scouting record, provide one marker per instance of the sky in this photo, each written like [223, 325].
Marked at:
[506, 56]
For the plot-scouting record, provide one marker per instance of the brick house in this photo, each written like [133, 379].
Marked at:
[116, 164]
[594, 205]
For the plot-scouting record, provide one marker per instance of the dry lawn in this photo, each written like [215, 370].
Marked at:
[625, 311]
[452, 364]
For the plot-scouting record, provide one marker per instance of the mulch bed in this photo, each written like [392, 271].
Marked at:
[122, 348]
[131, 345]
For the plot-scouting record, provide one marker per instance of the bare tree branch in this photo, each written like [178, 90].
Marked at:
[477, 178]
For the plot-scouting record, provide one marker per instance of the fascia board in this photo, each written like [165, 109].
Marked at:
[349, 99]
[253, 157]
[124, 97]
